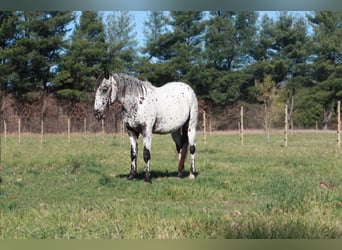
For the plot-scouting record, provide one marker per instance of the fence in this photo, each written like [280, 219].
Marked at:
[237, 119]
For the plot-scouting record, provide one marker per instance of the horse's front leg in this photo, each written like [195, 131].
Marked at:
[133, 139]
[147, 140]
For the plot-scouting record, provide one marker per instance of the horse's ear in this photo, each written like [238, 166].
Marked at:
[96, 74]
[106, 74]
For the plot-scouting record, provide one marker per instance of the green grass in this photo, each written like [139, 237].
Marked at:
[258, 190]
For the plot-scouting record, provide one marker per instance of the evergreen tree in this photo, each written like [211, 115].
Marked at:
[36, 49]
[263, 49]
[186, 48]
[327, 27]
[230, 39]
[228, 42]
[153, 65]
[87, 55]
[8, 36]
[155, 27]
[122, 44]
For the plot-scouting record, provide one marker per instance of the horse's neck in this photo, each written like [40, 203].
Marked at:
[127, 99]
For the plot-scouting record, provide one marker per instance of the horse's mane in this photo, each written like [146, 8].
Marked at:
[131, 86]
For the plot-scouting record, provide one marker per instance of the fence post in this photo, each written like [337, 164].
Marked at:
[85, 125]
[69, 129]
[102, 130]
[241, 125]
[339, 124]
[5, 130]
[19, 130]
[204, 127]
[41, 130]
[286, 127]
[122, 131]
[210, 127]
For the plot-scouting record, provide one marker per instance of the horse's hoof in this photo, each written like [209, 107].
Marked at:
[192, 176]
[130, 177]
[148, 180]
[180, 175]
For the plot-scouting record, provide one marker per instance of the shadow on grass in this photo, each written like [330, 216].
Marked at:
[155, 174]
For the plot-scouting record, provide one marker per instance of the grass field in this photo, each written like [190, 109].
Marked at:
[258, 190]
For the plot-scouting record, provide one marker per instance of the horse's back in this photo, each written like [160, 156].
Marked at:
[177, 90]
[174, 105]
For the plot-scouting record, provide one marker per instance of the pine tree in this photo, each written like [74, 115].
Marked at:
[186, 47]
[122, 44]
[228, 42]
[327, 27]
[8, 36]
[155, 27]
[177, 52]
[87, 54]
[153, 63]
[36, 49]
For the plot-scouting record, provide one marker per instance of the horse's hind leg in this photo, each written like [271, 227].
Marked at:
[192, 138]
[181, 142]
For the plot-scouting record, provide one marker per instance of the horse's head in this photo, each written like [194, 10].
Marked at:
[105, 94]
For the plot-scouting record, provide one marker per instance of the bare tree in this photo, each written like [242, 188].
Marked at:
[266, 89]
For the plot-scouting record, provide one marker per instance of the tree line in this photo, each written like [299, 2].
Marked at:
[225, 56]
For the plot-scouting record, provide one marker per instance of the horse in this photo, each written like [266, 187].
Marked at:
[146, 110]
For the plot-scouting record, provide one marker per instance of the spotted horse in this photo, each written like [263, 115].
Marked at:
[146, 109]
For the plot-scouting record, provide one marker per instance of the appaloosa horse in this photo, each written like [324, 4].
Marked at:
[147, 109]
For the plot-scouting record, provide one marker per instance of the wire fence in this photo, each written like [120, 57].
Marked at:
[84, 122]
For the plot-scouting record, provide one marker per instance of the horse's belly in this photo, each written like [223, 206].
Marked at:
[164, 129]
[170, 121]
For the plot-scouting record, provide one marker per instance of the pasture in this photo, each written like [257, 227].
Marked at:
[259, 190]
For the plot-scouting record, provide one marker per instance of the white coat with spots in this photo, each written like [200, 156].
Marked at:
[147, 109]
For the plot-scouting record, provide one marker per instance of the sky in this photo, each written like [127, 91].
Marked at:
[141, 16]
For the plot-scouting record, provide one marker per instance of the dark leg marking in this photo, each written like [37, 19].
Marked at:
[192, 167]
[192, 149]
[147, 155]
[147, 158]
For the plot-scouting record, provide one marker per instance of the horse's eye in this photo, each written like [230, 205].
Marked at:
[104, 89]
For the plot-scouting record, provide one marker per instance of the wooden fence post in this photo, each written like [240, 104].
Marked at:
[19, 130]
[339, 124]
[286, 127]
[241, 125]
[69, 129]
[85, 125]
[102, 130]
[122, 131]
[41, 130]
[210, 127]
[204, 128]
[5, 130]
